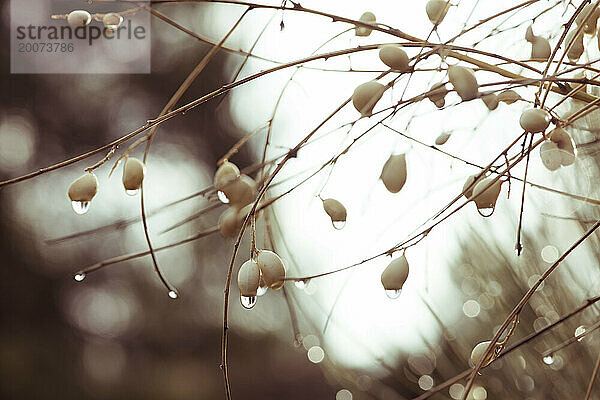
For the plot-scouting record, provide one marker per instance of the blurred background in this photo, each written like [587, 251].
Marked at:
[118, 335]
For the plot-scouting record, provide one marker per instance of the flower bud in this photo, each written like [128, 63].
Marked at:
[226, 173]
[490, 100]
[469, 186]
[464, 82]
[442, 138]
[112, 21]
[133, 173]
[436, 10]
[248, 278]
[79, 18]
[577, 48]
[508, 96]
[366, 96]
[368, 18]
[395, 274]
[540, 47]
[393, 173]
[550, 155]
[394, 57]
[228, 223]
[590, 25]
[565, 145]
[84, 188]
[335, 210]
[479, 351]
[240, 192]
[486, 198]
[535, 120]
[271, 266]
[437, 94]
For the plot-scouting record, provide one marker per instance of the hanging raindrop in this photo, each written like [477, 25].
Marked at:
[173, 294]
[338, 224]
[80, 207]
[301, 283]
[548, 360]
[132, 192]
[393, 293]
[223, 197]
[248, 301]
[79, 276]
[261, 290]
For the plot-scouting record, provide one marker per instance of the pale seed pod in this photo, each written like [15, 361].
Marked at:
[368, 18]
[442, 138]
[335, 210]
[248, 278]
[490, 100]
[478, 352]
[464, 82]
[486, 198]
[577, 48]
[226, 173]
[240, 192]
[437, 94]
[436, 10]
[112, 21]
[79, 18]
[540, 46]
[394, 57]
[229, 225]
[395, 274]
[133, 173]
[535, 120]
[591, 23]
[84, 188]
[508, 96]
[393, 173]
[565, 145]
[550, 155]
[271, 266]
[366, 96]
[469, 186]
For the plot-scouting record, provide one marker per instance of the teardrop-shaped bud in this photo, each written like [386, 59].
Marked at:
[486, 198]
[565, 145]
[540, 48]
[133, 173]
[271, 266]
[393, 173]
[464, 82]
[509, 96]
[529, 36]
[442, 138]
[550, 155]
[470, 185]
[248, 278]
[366, 96]
[490, 100]
[590, 22]
[229, 225]
[368, 18]
[436, 10]
[79, 18]
[394, 57]
[437, 94]
[84, 188]
[535, 120]
[478, 352]
[395, 274]
[226, 173]
[241, 191]
[335, 210]
[112, 21]
[576, 49]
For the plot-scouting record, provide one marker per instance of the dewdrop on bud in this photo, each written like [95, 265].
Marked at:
[535, 120]
[478, 353]
[486, 198]
[272, 269]
[394, 276]
[550, 155]
[336, 211]
[490, 100]
[366, 96]
[133, 175]
[226, 173]
[442, 139]
[248, 281]
[367, 18]
[394, 57]
[590, 25]
[576, 49]
[508, 96]
[79, 18]
[393, 173]
[82, 191]
[540, 47]
[464, 82]
[565, 145]
[437, 94]
[240, 192]
[112, 21]
[436, 10]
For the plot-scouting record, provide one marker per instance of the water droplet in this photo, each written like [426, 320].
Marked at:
[248, 301]
[80, 207]
[393, 293]
[338, 224]
[173, 294]
[79, 276]
[132, 192]
[549, 359]
[301, 283]
[223, 197]
[580, 331]
[261, 290]
[486, 212]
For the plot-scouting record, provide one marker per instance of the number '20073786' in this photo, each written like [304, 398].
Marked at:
[45, 47]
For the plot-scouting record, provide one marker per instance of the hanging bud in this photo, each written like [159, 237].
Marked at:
[540, 46]
[394, 276]
[464, 82]
[79, 18]
[271, 266]
[336, 211]
[490, 100]
[133, 174]
[470, 185]
[226, 173]
[394, 57]
[576, 49]
[393, 173]
[367, 18]
[509, 96]
[565, 145]
[240, 192]
[436, 10]
[366, 96]
[437, 94]
[442, 139]
[478, 353]
[591, 21]
[82, 191]
[112, 21]
[550, 155]
[535, 120]
[486, 198]
[228, 223]
[248, 278]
